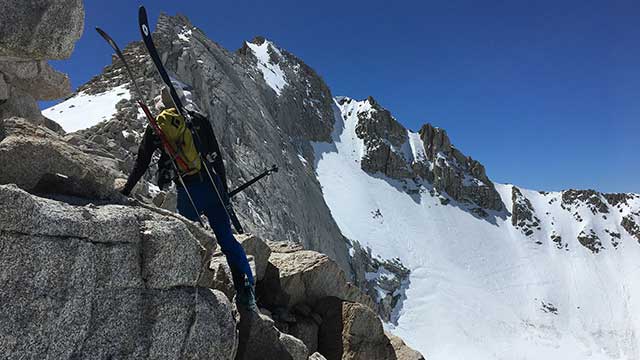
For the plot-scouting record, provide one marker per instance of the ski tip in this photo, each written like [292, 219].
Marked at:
[104, 35]
[143, 21]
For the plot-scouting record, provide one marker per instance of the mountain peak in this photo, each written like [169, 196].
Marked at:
[429, 156]
[258, 40]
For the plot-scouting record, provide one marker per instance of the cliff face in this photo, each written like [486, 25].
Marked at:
[423, 159]
[259, 120]
[266, 106]
[89, 273]
[108, 281]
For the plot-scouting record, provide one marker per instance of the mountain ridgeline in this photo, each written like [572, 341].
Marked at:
[259, 120]
[390, 206]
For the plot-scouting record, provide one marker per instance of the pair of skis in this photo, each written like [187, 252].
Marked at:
[153, 53]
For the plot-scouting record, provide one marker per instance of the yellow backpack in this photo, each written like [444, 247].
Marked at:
[179, 137]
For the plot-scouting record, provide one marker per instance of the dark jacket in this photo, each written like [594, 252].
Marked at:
[207, 144]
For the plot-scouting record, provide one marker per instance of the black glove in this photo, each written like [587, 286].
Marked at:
[126, 190]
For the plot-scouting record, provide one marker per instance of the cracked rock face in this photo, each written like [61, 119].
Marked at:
[107, 281]
[460, 176]
[38, 160]
[523, 214]
[40, 29]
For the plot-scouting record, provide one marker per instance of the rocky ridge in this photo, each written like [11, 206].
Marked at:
[610, 213]
[90, 273]
[255, 126]
[423, 161]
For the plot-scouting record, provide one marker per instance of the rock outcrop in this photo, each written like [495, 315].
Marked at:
[40, 29]
[351, 331]
[40, 161]
[631, 226]
[460, 176]
[382, 134]
[84, 277]
[591, 241]
[383, 280]
[590, 198]
[402, 350]
[423, 160]
[263, 340]
[105, 282]
[523, 214]
[307, 276]
[31, 33]
[293, 293]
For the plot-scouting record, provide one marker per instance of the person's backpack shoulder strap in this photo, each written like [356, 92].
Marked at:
[210, 144]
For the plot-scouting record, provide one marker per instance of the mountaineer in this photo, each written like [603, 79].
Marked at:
[198, 193]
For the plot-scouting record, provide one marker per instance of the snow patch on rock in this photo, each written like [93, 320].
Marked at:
[83, 111]
[272, 73]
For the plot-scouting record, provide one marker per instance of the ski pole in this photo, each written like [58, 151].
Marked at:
[242, 187]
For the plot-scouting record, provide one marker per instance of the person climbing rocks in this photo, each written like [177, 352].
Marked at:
[199, 192]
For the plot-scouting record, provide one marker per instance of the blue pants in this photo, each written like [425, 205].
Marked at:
[208, 203]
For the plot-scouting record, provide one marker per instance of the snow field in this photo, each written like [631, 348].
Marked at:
[484, 290]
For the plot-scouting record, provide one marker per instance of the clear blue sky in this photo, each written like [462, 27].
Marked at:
[546, 94]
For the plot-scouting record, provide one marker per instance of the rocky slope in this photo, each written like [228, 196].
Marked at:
[260, 120]
[88, 273]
